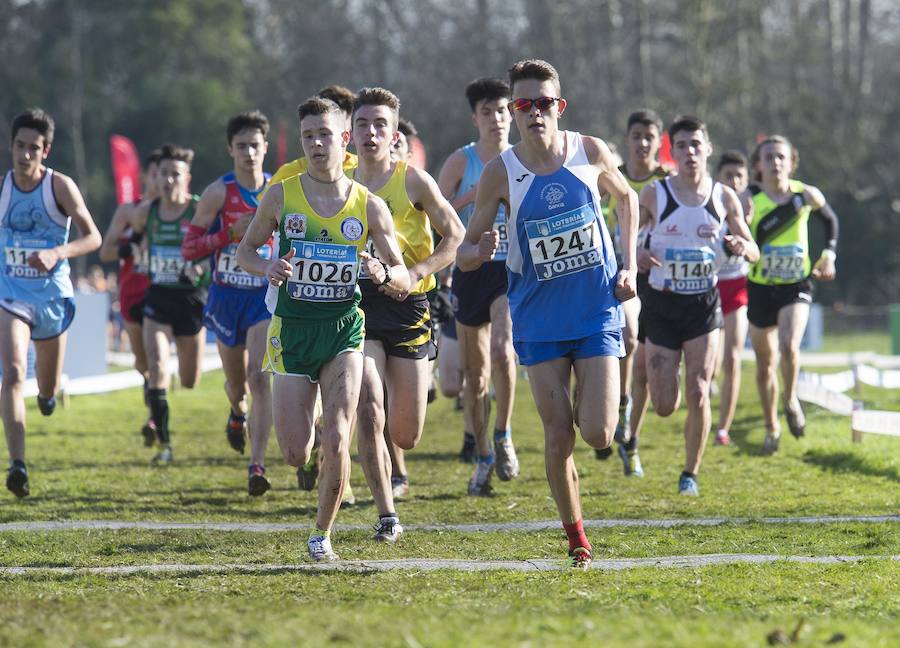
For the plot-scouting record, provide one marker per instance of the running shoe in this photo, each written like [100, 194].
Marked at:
[770, 445]
[688, 486]
[468, 454]
[46, 405]
[796, 420]
[347, 497]
[149, 432]
[432, 394]
[399, 486]
[257, 482]
[603, 453]
[630, 462]
[623, 427]
[320, 550]
[17, 480]
[722, 438]
[308, 473]
[164, 456]
[580, 558]
[506, 462]
[236, 432]
[480, 484]
[388, 530]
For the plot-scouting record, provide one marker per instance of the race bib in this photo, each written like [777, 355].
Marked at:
[565, 244]
[689, 270]
[17, 254]
[167, 265]
[784, 262]
[229, 273]
[142, 261]
[502, 229]
[323, 272]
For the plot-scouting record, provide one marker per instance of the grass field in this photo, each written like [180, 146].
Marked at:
[87, 463]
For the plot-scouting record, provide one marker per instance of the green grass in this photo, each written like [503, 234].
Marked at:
[87, 463]
[857, 341]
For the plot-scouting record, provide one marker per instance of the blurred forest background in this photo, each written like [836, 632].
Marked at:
[826, 73]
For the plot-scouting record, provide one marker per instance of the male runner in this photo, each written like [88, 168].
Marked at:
[732, 286]
[122, 244]
[343, 97]
[564, 285]
[684, 215]
[483, 325]
[173, 307]
[236, 308]
[642, 141]
[399, 343]
[780, 287]
[37, 207]
[323, 220]
[401, 150]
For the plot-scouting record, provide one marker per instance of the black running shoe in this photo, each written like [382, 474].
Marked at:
[236, 432]
[467, 454]
[149, 432]
[257, 482]
[603, 453]
[308, 473]
[17, 481]
[432, 394]
[46, 405]
[795, 419]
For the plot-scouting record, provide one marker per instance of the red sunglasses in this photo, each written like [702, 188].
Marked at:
[542, 103]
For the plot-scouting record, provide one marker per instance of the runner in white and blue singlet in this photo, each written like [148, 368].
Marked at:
[564, 285]
[37, 207]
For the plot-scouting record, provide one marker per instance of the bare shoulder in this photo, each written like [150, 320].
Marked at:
[456, 162]
[814, 196]
[214, 190]
[597, 151]
[64, 187]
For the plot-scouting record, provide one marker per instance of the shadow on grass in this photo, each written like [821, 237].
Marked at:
[847, 462]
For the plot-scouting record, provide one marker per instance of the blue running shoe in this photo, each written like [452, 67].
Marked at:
[688, 486]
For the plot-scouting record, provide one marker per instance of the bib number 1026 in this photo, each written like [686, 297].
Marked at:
[323, 272]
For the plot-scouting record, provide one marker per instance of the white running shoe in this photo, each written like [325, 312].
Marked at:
[388, 530]
[320, 548]
[480, 484]
[506, 463]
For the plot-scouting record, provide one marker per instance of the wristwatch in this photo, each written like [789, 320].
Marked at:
[387, 274]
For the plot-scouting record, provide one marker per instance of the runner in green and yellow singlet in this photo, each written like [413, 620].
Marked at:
[322, 220]
[780, 286]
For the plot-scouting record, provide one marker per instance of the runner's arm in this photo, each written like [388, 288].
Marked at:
[824, 268]
[740, 241]
[611, 181]
[197, 243]
[647, 207]
[381, 229]
[425, 194]
[264, 222]
[72, 204]
[481, 240]
[109, 249]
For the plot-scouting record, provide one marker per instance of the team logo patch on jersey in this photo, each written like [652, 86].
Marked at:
[554, 194]
[707, 231]
[324, 236]
[352, 228]
[295, 225]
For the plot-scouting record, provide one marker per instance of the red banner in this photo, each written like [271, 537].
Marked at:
[281, 145]
[126, 166]
[665, 154]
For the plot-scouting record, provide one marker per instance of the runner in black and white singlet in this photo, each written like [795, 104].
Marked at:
[684, 215]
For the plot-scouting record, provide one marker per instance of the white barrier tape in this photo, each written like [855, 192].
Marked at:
[837, 382]
[888, 379]
[876, 422]
[823, 397]
[843, 359]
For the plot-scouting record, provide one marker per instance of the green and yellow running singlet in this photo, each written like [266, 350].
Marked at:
[782, 234]
[326, 255]
[164, 238]
[411, 226]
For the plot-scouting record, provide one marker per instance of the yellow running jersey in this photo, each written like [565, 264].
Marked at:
[411, 225]
[326, 255]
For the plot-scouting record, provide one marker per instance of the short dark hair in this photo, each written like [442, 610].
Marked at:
[646, 117]
[686, 123]
[152, 157]
[317, 106]
[732, 157]
[340, 95]
[176, 153]
[486, 89]
[377, 97]
[407, 128]
[533, 69]
[249, 119]
[35, 119]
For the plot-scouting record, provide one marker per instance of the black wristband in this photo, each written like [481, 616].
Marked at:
[125, 251]
[387, 273]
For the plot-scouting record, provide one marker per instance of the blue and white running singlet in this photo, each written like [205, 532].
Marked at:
[471, 176]
[32, 221]
[561, 266]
